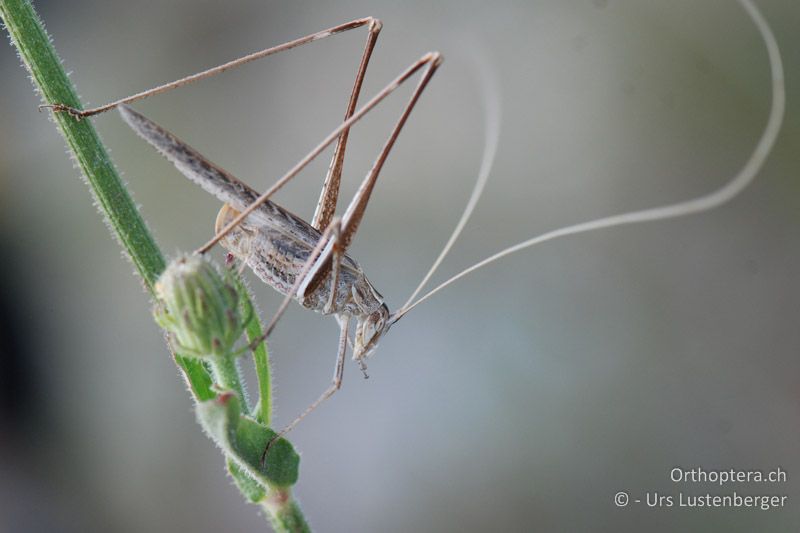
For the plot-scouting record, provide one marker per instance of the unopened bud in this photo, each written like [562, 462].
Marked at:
[198, 307]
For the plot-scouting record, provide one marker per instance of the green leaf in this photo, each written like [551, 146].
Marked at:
[249, 487]
[197, 377]
[263, 410]
[243, 440]
[39, 57]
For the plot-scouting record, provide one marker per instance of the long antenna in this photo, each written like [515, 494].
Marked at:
[492, 116]
[715, 199]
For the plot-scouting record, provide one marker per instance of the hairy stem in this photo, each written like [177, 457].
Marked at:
[40, 58]
[226, 374]
[51, 81]
[262, 411]
[285, 514]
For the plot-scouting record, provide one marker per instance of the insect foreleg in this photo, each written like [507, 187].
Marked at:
[338, 372]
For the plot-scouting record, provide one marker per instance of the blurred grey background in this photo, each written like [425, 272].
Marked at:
[520, 399]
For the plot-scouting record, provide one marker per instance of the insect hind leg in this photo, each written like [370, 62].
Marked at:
[374, 25]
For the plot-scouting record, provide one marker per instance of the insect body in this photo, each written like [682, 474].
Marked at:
[277, 244]
[308, 262]
[304, 261]
[277, 257]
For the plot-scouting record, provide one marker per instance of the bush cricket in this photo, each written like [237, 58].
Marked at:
[308, 262]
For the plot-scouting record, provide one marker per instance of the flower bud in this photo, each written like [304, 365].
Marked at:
[198, 308]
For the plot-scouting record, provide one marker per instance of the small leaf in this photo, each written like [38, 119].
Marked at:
[197, 377]
[263, 410]
[243, 440]
[249, 487]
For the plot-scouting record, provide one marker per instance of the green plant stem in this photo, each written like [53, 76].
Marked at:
[262, 411]
[285, 514]
[226, 374]
[40, 58]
